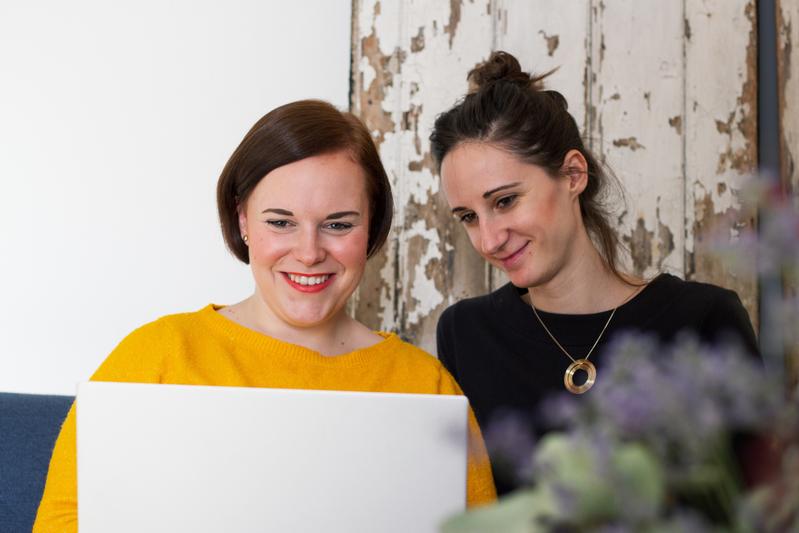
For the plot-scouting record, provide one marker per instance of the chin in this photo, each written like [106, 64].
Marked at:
[307, 320]
[519, 281]
[310, 316]
[525, 279]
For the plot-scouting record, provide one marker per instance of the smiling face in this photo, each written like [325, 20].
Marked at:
[307, 225]
[517, 216]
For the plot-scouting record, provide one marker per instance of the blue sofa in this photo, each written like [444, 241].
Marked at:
[29, 425]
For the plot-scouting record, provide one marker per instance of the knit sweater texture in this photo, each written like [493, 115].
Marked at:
[206, 348]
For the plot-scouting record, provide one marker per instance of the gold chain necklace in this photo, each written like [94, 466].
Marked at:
[577, 364]
[582, 364]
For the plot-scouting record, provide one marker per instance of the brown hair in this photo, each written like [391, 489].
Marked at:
[510, 109]
[292, 132]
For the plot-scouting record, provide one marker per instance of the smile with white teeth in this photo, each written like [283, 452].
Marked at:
[308, 280]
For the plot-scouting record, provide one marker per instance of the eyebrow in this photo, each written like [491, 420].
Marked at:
[500, 188]
[331, 216]
[488, 194]
[342, 214]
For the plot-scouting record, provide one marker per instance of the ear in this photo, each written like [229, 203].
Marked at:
[575, 168]
[242, 211]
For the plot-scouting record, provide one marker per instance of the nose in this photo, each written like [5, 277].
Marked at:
[308, 249]
[493, 236]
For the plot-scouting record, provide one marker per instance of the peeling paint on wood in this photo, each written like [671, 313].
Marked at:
[630, 142]
[548, 18]
[637, 89]
[417, 43]
[406, 71]
[788, 87]
[649, 248]
[788, 83]
[721, 134]
[640, 242]
[709, 223]
[676, 123]
[552, 42]
[454, 19]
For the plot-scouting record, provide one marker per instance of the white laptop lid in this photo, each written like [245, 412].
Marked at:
[170, 458]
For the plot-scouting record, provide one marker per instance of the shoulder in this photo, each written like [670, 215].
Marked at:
[712, 312]
[413, 355]
[725, 318]
[473, 326]
[425, 373]
[696, 294]
[141, 355]
[426, 367]
[172, 325]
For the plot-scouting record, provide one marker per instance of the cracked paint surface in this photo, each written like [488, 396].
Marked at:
[552, 42]
[411, 60]
[630, 142]
[721, 136]
[676, 123]
[636, 93]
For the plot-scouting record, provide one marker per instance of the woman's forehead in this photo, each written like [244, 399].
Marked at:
[478, 168]
[315, 183]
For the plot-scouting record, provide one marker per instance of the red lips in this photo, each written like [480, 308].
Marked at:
[308, 288]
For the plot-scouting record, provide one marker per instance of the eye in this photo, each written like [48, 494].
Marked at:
[279, 224]
[468, 217]
[339, 226]
[506, 201]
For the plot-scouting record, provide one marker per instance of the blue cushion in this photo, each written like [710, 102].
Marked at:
[29, 425]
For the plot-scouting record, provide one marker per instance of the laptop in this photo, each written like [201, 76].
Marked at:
[171, 458]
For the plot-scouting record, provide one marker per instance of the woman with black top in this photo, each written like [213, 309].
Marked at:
[516, 174]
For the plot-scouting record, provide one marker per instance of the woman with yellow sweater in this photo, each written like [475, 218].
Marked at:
[304, 200]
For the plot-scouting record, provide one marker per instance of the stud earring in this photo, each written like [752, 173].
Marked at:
[245, 238]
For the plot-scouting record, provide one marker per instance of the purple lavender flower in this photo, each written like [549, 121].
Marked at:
[510, 443]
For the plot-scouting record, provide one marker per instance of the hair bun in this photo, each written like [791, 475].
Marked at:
[500, 66]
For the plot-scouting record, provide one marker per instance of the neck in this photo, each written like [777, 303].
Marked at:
[331, 337]
[584, 285]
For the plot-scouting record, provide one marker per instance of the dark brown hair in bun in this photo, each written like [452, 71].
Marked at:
[510, 108]
[501, 66]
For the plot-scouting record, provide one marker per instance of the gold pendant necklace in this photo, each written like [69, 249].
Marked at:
[577, 364]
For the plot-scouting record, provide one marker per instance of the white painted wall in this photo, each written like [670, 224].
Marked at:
[115, 121]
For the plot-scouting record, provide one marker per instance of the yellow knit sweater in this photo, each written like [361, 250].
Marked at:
[205, 348]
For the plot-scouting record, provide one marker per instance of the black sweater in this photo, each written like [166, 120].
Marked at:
[503, 359]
